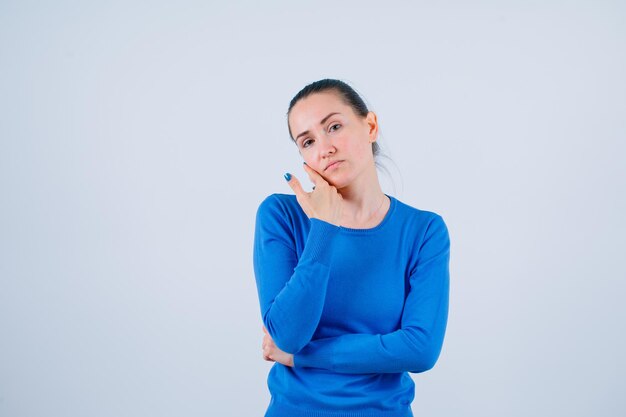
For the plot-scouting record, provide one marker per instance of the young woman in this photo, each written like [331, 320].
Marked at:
[353, 284]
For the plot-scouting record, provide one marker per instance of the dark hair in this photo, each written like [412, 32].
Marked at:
[345, 92]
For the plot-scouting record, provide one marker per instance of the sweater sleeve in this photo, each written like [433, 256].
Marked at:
[291, 290]
[416, 346]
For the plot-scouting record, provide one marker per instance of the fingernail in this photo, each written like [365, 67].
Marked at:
[287, 176]
[304, 163]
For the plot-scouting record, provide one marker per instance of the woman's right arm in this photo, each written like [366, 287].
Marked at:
[291, 291]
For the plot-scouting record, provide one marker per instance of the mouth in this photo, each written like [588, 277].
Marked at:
[332, 165]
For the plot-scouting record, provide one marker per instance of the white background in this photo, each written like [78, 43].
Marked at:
[138, 138]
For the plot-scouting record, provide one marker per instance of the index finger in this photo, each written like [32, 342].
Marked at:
[294, 183]
[315, 177]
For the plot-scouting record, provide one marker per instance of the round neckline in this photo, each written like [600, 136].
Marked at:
[385, 220]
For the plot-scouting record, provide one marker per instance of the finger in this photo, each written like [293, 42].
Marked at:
[314, 176]
[295, 185]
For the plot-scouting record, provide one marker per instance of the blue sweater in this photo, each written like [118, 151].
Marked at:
[358, 308]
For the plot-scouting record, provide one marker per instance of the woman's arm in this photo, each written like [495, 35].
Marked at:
[416, 346]
[291, 291]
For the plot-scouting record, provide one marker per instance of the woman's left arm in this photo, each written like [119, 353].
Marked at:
[416, 346]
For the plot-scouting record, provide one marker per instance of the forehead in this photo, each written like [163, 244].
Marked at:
[310, 110]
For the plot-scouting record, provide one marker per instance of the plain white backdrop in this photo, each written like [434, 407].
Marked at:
[138, 138]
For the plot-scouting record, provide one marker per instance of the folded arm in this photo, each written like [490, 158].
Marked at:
[416, 346]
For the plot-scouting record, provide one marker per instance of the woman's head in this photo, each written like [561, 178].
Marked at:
[343, 90]
[329, 122]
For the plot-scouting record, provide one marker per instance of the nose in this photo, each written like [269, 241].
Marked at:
[327, 147]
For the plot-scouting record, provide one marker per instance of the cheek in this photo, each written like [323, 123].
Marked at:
[365, 147]
[312, 162]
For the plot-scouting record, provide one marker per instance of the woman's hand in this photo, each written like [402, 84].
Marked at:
[324, 202]
[272, 353]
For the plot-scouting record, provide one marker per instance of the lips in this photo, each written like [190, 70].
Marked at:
[331, 164]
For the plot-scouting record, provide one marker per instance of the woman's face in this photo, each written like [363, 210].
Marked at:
[331, 138]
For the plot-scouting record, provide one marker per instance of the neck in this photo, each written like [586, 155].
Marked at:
[363, 199]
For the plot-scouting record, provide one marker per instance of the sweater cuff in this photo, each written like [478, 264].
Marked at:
[319, 246]
[316, 354]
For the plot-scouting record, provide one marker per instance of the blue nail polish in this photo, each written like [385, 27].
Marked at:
[287, 176]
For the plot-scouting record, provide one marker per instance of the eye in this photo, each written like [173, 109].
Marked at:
[336, 124]
[305, 142]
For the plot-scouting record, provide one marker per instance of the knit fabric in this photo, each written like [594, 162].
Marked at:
[358, 308]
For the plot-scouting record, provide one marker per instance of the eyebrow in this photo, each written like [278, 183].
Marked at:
[306, 132]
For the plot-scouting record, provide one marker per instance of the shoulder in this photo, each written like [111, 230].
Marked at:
[278, 201]
[427, 234]
[278, 206]
[418, 217]
[422, 227]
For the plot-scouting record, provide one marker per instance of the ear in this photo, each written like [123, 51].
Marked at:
[372, 126]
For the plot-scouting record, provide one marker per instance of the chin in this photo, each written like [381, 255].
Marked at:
[337, 183]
